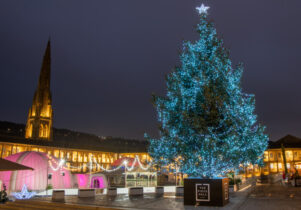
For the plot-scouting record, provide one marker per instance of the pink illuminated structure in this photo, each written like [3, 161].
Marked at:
[97, 181]
[36, 179]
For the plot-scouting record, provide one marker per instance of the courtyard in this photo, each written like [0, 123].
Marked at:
[261, 196]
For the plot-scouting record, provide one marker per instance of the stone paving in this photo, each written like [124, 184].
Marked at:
[147, 201]
[275, 196]
[261, 197]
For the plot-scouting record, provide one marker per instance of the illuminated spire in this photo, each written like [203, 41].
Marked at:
[44, 80]
[39, 121]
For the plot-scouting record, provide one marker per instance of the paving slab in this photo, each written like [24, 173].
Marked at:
[148, 201]
[275, 197]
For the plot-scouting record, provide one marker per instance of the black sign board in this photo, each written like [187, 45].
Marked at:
[206, 192]
[202, 192]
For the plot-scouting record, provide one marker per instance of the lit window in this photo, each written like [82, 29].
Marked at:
[74, 156]
[265, 156]
[289, 155]
[62, 155]
[42, 150]
[280, 165]
[41, 131]
[80, 157]
[273, 167]
[56, 153]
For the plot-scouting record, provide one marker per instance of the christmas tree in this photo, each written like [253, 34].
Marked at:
[207, 124]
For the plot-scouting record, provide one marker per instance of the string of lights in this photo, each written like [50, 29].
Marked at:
[125, 163]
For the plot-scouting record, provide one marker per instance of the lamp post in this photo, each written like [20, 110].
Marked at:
[47, 177]
[90, 168]
[125, 162]
[176, 174]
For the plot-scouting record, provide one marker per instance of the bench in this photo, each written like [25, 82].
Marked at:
[85, 193]
[58, 195]
[112, 191]
[179, 191]
[98, 191]
[136, 191]
[159, 190]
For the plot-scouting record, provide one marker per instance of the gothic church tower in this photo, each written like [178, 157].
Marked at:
[39, 121]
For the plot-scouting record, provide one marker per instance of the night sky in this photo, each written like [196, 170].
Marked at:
[109, 56]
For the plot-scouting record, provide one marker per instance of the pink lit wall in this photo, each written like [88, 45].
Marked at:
[82, 180]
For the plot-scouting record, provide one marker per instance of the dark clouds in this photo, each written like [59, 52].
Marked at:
[109, 56]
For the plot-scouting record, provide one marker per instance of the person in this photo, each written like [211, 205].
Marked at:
[3, 195]
[283, 177]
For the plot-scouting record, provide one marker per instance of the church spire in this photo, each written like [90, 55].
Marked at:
[39, 121]
[44, 80]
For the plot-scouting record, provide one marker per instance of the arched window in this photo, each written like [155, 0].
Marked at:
[45, 131]
[41, 130]
[29, 130]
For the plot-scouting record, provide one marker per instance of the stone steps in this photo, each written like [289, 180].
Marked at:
[29, 204]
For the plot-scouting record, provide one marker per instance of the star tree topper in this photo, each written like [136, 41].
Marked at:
[202, 9]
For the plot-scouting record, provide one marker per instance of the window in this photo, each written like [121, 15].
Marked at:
[21, 149]
[74, 156]
[80, 157]
[90, 157]
[273, 167]
[295, 155]
[56, 153]
[41, 131]
[265, 156]
[271, 155]
[6, 151]
[280, 168]
[289, 155]
[99, 159]
[103, 158]
[288, 165]
[30, 130]
[35, 149]
[14, 151]
[68, 156]
[45, 132]
[62, 155]
[42, 150]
